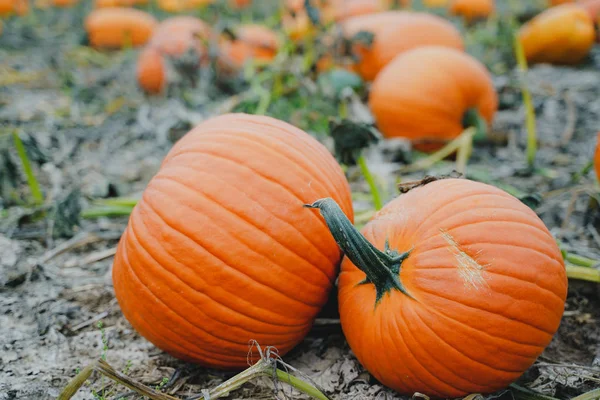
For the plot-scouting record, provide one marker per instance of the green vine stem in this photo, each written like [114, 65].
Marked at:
[583, 273]
[473, 118]
[382, 268]
[591, 395]
[528, 104]
[364, 168]
[34, 186]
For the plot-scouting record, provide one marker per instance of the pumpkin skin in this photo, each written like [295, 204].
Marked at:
[252, 42]
[151, 71]
[560, 35]
[592, 7]
[472, 10]
[116, 27]
[18, 7]
[394, 33]
[220, 250]
[424, 94]
[488, 287]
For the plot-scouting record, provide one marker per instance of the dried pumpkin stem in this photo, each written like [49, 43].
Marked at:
[382, 268]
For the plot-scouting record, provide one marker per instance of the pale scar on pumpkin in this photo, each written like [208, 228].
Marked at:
[469, 269]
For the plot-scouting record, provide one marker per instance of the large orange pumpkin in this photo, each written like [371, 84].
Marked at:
[118, 26]
[457, 288]
[220, 251]
[563, 35]
[426, 95]
[472, 10]
[18, 7]
[396, 32]
[251, 42]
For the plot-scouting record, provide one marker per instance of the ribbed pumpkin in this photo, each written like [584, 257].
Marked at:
[117, 27]
[252, 42]
[562, 35]
[396, 32]
[458, 288]
[427, 95]
[18, 7]
[220, 251]
[472, 10]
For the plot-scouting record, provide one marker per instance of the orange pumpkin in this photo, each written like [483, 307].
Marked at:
[119, 3]
[220, 251]
[396, 32]
[457, 289]
[561, 35]
[64, 3]
[252, 42]
[18, 7]
[559, 2]
[472, 10]
[435, 3]
[597, 157]
[240, 3]
[151, 71]
[344, 9]
[117, 27]
[592, 7]
[425, 94]
[175, 6]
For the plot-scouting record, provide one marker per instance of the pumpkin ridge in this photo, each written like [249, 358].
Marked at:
[511, 373]
[317, 150]
[494, 273]
[312, 306]
[313, 170]
[195, 350]
[151, 257]
[201, 292]
[258, 173]
[407, 333]
[257, 228]
[266, 178]
[433, 293]
[437, 312]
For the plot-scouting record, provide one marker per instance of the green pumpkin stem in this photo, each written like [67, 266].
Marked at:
[381, 267]
[472, 118]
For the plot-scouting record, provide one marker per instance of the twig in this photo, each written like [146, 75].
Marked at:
[569, 130]
[94, 257]
[80, 240]
[90, 321]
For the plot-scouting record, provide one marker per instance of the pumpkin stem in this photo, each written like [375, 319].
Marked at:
[472, 118]
[381, 267]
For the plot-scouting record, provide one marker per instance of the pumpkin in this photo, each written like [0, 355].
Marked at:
[18, 7]
[119, 3]
[562, 35]
[240, 3]
[64, 3]
[428, 95]
[151, 71]
[559, 2]
[472, 10]
[435, 3]
[118, 27]
[179, 38]
[456, 287]
[220, 251]
[395, 32]
[592, 7]
[344, 9]
[174, 6]
[251, 42]
[597, 157]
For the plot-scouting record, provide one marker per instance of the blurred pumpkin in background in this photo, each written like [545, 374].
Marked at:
[174, 6]
[560, 35]
[118, 27]
[249, 42]
[472, 10]
[427, 94]
[151, 71]
[395, 32]
[17, 7]
[119, 3]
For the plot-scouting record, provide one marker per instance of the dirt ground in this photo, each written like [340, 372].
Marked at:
[90, 133]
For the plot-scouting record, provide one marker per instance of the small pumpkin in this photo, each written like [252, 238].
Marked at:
[240, 4]
[174, 6]
[220, 251]
[344, 9]
[119, 3]
[17, 7]
[151, 71]
[472, 10]
[428, 95]
[395, 32]
[118, 27]
[561, 35]
[456, 287]
[251, 42]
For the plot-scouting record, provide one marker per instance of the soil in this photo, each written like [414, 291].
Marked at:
[90, 134]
